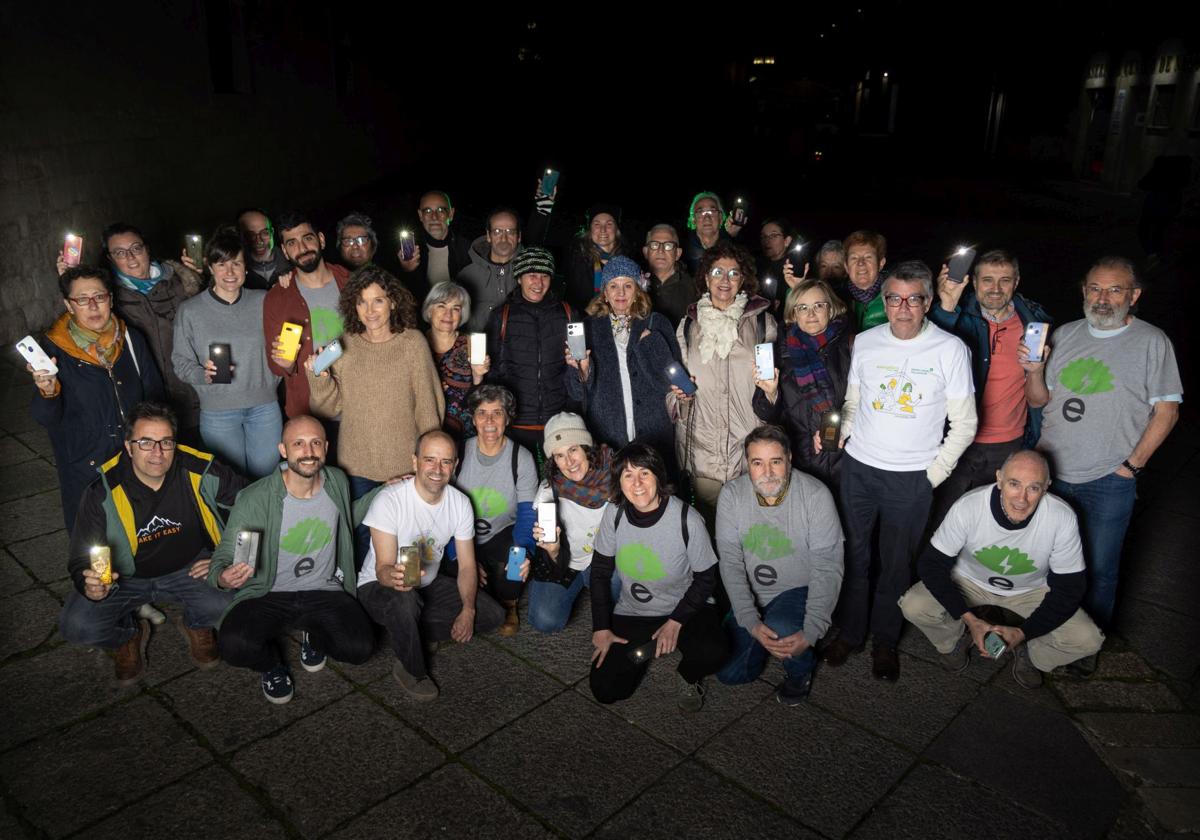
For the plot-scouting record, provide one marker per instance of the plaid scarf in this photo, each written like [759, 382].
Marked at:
[592, 490]
[808, 368]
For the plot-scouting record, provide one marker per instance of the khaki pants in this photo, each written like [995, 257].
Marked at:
[1075, 638]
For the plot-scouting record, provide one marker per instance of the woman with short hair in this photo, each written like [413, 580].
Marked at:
[447, 307]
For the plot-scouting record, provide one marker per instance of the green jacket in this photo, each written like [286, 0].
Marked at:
[871, 314]
[260, 508]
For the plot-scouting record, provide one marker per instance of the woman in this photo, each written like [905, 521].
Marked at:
[446, 307]
[104, 370]
[622, 382]
[668, 571]
[384, 386]
[578, 483]
[596, 244]
[810, 382]
[717, 337]
[239, 420]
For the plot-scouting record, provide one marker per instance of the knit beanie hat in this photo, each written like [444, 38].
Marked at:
[565, 429]
[620, 266]
[603, 207]
[533, 259]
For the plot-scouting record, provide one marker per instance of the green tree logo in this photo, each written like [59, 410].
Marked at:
[767, 543]
[637, 562]
[326, 325]
[308, 536]
[488, 503]
[1087, 376]
[1005, 561]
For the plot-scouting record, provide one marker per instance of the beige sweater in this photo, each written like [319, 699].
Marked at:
[388, 395]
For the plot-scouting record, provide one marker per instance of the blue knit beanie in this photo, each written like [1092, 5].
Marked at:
[620, 266]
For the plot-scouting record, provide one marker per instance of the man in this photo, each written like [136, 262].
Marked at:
[1111, 393]
[310, 300]
[488, 278]
[1012, 545]
[671, 288]
[265, 262]
[302, 577]
[907, 378]
[991, 322]
[148, 294]
[776, 238]
[707, 222]
[427, 514]
[441, 253]
[356, 240]
[780, 545]
[866, 255]
[159, 508]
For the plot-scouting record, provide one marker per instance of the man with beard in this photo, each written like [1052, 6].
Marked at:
[488, 278]
[302, 577]
[781, 560]
[311, 301]
[1111, 394]
[991, 320]
[357, 241]
[265, 262]
[441, 253]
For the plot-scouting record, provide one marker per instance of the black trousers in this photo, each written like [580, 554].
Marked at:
[336, 626]
[975, 468]
[702, 642]
[492, 556]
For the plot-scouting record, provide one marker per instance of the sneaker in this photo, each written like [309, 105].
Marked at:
[885, 664]
[421, 689]
[1024, 671]
[1085, 667]
[202, 645]
[512, 621]
[311, 658]
[838, 652]
[690, 696]
[793, 692]
[277, 685]
[957, 660]
[129, 661]
[152, 614]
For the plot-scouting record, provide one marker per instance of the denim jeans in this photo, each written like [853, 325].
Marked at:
[246, 439]
[550, 603]
[784, 615]
[360, 487]
[110, 623]
[1103, 506]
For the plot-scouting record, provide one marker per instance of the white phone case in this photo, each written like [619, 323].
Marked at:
[546, 520]
[478, 348]
[764, 361]
[35, 355]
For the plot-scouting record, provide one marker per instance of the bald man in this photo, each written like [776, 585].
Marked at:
[1009, 544]
[302, 575]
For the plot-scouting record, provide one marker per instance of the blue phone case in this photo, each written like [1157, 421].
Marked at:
[549, 182]
[677, 375]
[516, 556]
[327, 356]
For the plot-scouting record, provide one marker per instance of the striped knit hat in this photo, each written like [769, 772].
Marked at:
[533, 259]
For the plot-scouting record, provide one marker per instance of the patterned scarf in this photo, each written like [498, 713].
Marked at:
[808, 368]
[103, 347]
[620, 324]
[592, 490]
[865, 296]
[157, 274]
[718, 328]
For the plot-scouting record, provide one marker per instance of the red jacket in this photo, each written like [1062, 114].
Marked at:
[288, 305]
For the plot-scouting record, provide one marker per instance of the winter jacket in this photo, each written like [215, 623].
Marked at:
[271, 270]
[459, 257]
[581, 273]
[489, 284]
[526, 351]
[673, 297]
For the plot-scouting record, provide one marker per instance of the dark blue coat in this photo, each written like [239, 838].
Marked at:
[647, 359]
[967, 322]
[86, 421]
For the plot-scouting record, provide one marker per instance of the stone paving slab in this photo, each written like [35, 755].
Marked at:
[31, 516]
[38, 440]
[45, 556]
[565, 655]
[124, 754]
[571, 762]
[1142, 730]
[1094, 695]
[13, 451]
[843, 773]
[13, 576]
[33, 476]
[914, 643]
[27, 620]
[1158, 766]
[354, 755]
[1178, 809]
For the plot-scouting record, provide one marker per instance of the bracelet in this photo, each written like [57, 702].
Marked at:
[1131, 467]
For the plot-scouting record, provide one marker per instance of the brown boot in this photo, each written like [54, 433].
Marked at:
[512, 621]
[129, 661]
[202, 645]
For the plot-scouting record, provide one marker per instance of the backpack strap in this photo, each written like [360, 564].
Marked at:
[503, 322]
[567, 309]
[683, 512]
[516, 451]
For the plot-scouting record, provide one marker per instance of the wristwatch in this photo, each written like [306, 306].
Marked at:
[1131, 467]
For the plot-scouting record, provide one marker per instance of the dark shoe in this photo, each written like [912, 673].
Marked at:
[838, 652]
[277, 685]
[690, 696]
[311, 658]
[1085, 667]
[202, 645]
[957, 660]
[512, 621]
[1024, 671]
[129, 661]
[885, 664]
[793, 693]
[421, 689]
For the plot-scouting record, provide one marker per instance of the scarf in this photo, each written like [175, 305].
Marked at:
[718, 330]
[103, 347]
[620, 324]
[808, 368]
[592, 490]
[144, 286]
[865, 296]
[599, 258]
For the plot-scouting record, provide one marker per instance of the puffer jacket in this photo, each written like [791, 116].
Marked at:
[721, 414]
[527, 355]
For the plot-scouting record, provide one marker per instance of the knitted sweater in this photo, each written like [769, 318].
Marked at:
[388, 395]
[204, 320]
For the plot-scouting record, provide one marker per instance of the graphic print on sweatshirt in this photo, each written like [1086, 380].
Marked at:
[897, 393]
[157, 528]
[769, 545]
[639, 564]
[1005, 561]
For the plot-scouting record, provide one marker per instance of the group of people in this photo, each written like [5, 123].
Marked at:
[279, 447]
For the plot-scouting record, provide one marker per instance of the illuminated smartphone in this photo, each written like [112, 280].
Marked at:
[795, 257]
[289, 340]
[576, 341]
[677, 375]
[516, 556]
[408, 246]
[195, 248]
[478, 348]
[408, 557]
[331, 353]
[1036, 333]
[643, 653]
[72, 249]
[739, 212]
[549, 181]
[245, 548]
[546, 520]
[764, 361]
[218, 353]
[960, 264]
[831, 428]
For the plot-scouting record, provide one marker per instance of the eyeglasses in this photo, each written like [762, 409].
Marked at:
[655, 245]
[148, 444]
[996, 338]
[123, 254]
[1111, 291]
[85, 301]
[259, 235]
[767, 237]
[913, 301]
[716, 273]
[360, 241]
[496, 232]
[434, 211]
[705, 211]
[819, 306]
